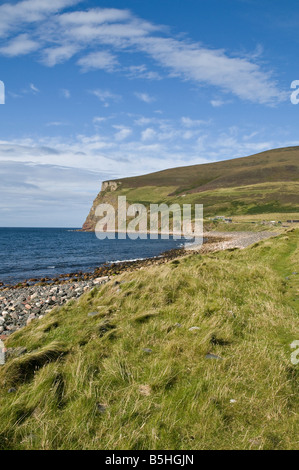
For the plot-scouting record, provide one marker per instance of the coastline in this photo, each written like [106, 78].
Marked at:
[23, 303]
[31, 300]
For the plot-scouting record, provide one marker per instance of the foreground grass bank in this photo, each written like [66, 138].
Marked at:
[136, 373]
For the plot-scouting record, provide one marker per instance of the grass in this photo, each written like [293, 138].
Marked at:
[250, 201]
[272, 166]
[135, 377]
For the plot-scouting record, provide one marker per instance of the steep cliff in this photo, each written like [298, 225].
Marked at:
[267, 182]
[104, 195]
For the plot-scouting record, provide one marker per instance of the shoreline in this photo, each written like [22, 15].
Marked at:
[112, 268]
[98, 270]
[23, 303]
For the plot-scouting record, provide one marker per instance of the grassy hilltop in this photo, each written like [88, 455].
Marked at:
[134, 376]
[266, 183]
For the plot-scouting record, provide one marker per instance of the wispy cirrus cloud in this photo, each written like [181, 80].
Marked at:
[218, 103]
[98, 60]
[57, 55]
[102, 35]
[34, 88]
[191, 61]
[65, 93]
[15, 15]
[95, 16]
[57, 124]
[105, 96]
[30, 89]
[20, 45]
[145, 97]
[99, 119]
[188, 122]
[141, 71]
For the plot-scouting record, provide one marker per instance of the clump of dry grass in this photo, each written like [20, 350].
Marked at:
[23, 369]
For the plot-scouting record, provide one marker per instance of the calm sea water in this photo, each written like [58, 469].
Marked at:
[47, 252]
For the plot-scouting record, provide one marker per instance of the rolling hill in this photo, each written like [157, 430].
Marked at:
[267, 182]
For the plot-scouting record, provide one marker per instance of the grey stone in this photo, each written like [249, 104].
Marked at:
[92, 314]
[213, 356]
[2, 353]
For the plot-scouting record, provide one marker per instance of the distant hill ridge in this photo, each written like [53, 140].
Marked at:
[264, 182]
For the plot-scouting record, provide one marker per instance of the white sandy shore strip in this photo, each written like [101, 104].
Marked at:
[229, 240]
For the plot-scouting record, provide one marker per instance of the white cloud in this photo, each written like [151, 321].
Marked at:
[33, 88]
[56, 124]
[98, 119]
[119, 35]
[121, 31]
[145, 97]
[94, 16]
[239, 76]
[66, 93]
[40, 193]
[218, 103]
[188, 122]
[141, 71]
[14, 15]
[123, 133]
[65, 173]
[148, 134]
[20, 45]
[57, 55]
[144, 121]
[188, 135]
[98, 60]
[105, 96]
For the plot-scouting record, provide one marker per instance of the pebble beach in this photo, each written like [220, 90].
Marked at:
[30, 300]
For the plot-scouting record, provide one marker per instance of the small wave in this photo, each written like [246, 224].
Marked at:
[51, 267]
[127, 260]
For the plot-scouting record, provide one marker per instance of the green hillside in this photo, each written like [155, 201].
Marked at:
[267, 182]
[191, 354]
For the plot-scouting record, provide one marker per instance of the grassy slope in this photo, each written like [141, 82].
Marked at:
[173, 397]
[264, 183]
[266, 167]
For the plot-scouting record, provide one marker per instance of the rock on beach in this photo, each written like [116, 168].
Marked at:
[19, 307]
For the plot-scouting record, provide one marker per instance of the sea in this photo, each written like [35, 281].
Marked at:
[27, 253]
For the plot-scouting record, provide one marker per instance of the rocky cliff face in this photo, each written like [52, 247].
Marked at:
[109, 185]
[269, 182]
[104, 196]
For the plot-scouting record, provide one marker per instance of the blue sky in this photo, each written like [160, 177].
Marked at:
[96, 90]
